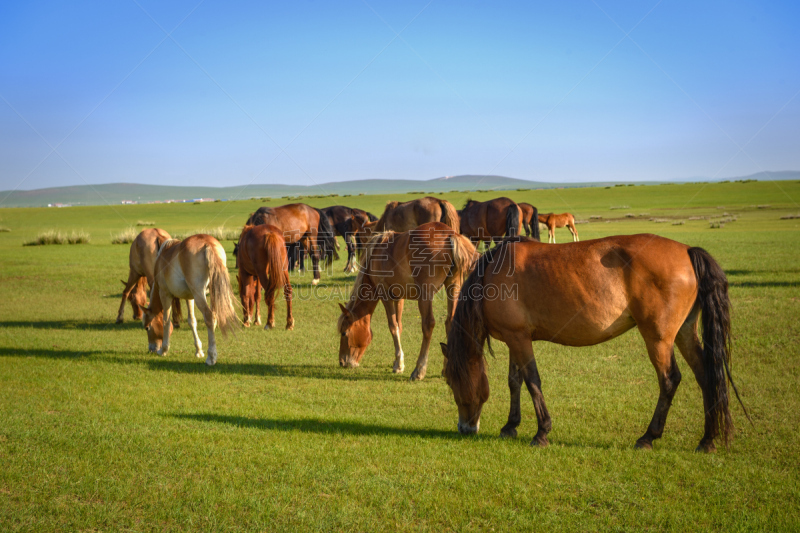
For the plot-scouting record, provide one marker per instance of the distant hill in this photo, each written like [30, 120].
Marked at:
[115, 193]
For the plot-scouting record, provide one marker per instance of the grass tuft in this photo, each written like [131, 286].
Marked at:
[145, 223]
[4, 229]
[221, 233]
[125, 236]
[57, 237]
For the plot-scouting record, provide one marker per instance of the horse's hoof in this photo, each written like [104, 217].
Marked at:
[315, 282]
[350, 365]
[176, 325]
[210, 362]
[642, 444]
[706, 448]
[540, 442]
[119, 320]
[508, 433]
[268, 327]
[290, 326]
[199, 355]
[398, 369]
[417, 376]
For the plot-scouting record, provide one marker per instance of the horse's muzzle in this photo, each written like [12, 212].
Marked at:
[466, 429]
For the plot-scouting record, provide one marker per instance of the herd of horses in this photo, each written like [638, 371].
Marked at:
[518, 291]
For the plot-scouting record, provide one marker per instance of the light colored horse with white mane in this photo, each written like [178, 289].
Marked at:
[187, 269]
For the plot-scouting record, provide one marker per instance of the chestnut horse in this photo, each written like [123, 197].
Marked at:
[263, 262]
[408, 215]
[584, 294]
[490, 220]
[559, 221]
[186, 269]
[397, 266]
[141, 260]
[345, 222]
[530, 220]
[302, 226]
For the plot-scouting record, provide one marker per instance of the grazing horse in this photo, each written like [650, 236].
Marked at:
[187, 269]
[408, 215]
[584, 294]
[490, 220]
[530, 214]
[141, 260]
[263, 262]
[559, 221]
[345, 222]
[397, 266]
[302, 226]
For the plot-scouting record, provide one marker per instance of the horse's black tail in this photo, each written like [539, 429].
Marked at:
[372, 218]
[326, 239]
[535, 225]
[712, 295]
[512, 220]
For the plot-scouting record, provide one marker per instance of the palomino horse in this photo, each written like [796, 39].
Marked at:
[301, 225]
[141, 260]
[490, 220]
[408, 215]
[530, 220]
[345, 222]
[413, 265]
[263, 262]
[559, 221]
[186, 269]
[584, 294]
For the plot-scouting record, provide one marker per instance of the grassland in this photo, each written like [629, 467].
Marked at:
[99, 435]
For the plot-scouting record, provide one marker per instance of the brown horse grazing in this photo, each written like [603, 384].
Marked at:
[409, 215]
[397, 266]
[263, 262]
[584, 294]
[304, 226]
[559, 221]
[530, 214]
[490, 220]
[141, 260]
[345, 222]
[186, 269]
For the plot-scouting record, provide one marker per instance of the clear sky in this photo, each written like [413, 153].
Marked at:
[223, 93]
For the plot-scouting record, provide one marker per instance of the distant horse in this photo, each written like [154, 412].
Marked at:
[397, 266]
[584, 294]
[530, 214]
[301, 225]
[346, 222]
[490, 220]
[141, 260]
[263, 262]
[559, 221]
[187, 269]
[408, 215]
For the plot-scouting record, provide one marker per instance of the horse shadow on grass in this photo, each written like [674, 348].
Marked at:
[313, 425]
[84, 325]
[754, 284]
[47, 353]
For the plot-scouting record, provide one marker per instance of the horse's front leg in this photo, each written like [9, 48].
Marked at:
[514, 412]
[390, 306]
[133, 279]
[428, 323]
[198, 346]
[521, 352]
[167, 301]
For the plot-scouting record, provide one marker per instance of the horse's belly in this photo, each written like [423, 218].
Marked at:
[178, 287]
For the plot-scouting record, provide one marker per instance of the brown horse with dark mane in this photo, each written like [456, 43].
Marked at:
[303, 226]
[553, 221]
[490, 220]
[413, 265]
[408, 215]
[584, 294]
[262, 261]
[346, 222]
[530, 220]
[141, 261]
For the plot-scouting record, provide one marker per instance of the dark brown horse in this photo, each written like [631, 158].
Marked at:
[346, 222]
[530, 220]
[262, 261]
[304, 226]
[408, 215]
[553, 221]
[582, 294]
[490, 220]
[141, 261]
[413, 265]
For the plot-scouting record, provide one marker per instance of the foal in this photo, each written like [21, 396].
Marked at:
[559, 221]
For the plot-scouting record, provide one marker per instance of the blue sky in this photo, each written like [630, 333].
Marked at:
[312, 91]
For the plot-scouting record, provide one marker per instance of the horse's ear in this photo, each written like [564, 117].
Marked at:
[345, 312]
[444, 349]
[123, 283]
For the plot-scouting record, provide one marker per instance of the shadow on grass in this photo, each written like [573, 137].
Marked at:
[745, 272]
[47, 353]
[312, 425]
[274, 370]
[752, 284]
[73, 324]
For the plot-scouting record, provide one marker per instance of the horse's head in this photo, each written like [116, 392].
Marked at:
[154, 324]
[137, 297]
[467, 379]
[356, 334]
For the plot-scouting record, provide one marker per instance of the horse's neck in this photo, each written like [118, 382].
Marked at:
[364, 301]
[156, 305]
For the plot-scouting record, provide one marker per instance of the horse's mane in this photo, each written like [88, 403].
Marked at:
[469, 202]
[468, 330]
[390, 206]
[166, 244]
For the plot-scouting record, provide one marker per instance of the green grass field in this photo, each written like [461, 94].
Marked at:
[99, 435]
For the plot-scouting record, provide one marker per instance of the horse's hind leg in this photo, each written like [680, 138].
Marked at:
[428, 323]
[208, 318]
[514, 413]
[574, 231]
[692, 351]
[395, 328]
[133, 280]
[287, 295]
[198, 346]
[551, 234]
[662, 356]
